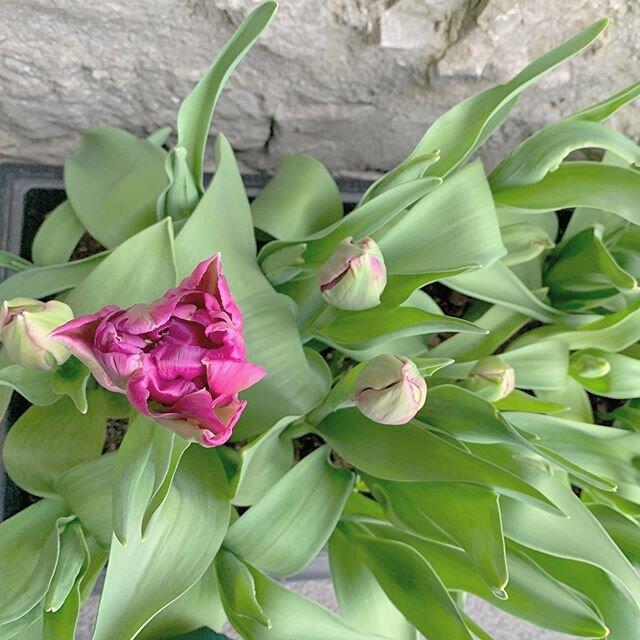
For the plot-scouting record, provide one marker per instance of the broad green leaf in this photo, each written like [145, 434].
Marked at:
[57, 236]
[34, 385]
[61, 624]
[87, 489]
[146, 462]
[614, 332]
[196, 111]
[238, 591]
[623, 529]
[292, 616]
[181, 196]
[71, 380]
[461, 511]
[409, 581]
[222, 223]
[464, 128]
[603, 110]
[113, 181]
[140, 270]
[363, 603]
[364, 329]
[607, 595]
[499, 285]
[286, 529]
[521, 401]
[410, 453]
[578, 536]
[584, 273]
[622, 381]
[500, 323]
[198, 607]
[545, 150]
[41, 282]
[29, 547]
[578, 184]
[442, 231]
[533, 595]
[46, 442]
[524, 242]
[181, 541]
[71, 559]
[301, 199]
[263, 462]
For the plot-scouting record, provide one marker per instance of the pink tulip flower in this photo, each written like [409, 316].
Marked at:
[180, 360]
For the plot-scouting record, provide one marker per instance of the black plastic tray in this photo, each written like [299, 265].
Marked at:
[27, 194]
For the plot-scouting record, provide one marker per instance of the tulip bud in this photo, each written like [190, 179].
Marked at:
[390, 390]
[25, 325]
[491, 379]
[354, 276]
[590, 365]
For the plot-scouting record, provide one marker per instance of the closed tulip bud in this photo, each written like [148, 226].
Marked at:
[355, 276]
[25, 325]
[390, 390]
[590, 365]
[492, 379]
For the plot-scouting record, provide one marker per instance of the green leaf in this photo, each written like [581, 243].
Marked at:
[623, 529]
[524, 242]
[300, 200]
[263, 462]
[238, 590]
[57, 236]
[148, 255]
[410, 453]
[41, 282]
[198, 607]
[87, 489]
[603, 110]
[544, 151]
[13, 262]
[363, 603]
[622, 381]
[461, 511]
[364, 329]
[196, 111]
[520, 401]
[29, 546]
[222, 223]
[145, 464]
[442, 232]
[32, 384]
[286, 529]
[578, 184]
[409, 582]
[72, 558]
[460, 131]
[181, 196]
[292, 616]
[113, 181]
[71, 380]
[181, 541]
[46, 442]
[533, 594]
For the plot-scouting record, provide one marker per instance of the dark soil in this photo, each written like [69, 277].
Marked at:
[115, 434]
[88, 246]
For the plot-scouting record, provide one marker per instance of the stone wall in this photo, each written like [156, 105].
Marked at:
[352, 82]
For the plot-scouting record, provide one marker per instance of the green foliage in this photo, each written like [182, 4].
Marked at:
[531, 503]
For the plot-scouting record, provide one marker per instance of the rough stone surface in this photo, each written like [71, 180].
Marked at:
[352, 82]
[497, 624]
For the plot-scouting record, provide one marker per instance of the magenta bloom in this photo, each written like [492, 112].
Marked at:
[180, 359]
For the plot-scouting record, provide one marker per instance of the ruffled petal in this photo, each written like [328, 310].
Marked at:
[232, 376]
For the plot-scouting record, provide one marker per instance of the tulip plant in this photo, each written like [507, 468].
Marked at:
[290, 383]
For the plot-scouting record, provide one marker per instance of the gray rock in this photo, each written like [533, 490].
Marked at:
[352, 82]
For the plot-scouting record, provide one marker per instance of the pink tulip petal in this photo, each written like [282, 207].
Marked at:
[232, 376]
[179, 360]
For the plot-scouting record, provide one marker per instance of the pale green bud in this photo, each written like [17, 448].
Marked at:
[355, 276]
[390, 390]
[491, 378]
[25, 325]
[590, 365]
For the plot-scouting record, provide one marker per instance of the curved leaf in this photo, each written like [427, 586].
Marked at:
[57, 236]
